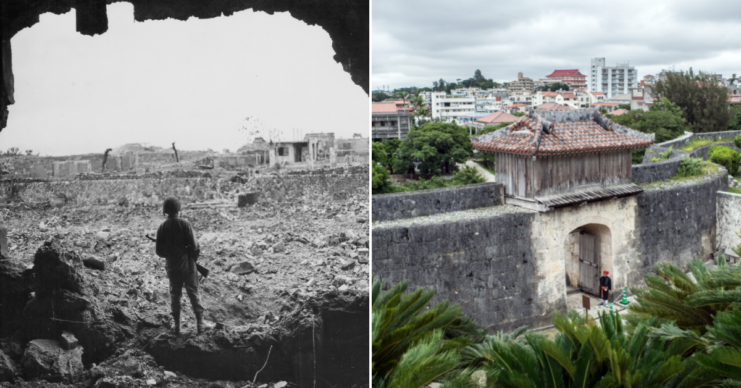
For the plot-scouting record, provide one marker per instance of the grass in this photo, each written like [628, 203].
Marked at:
[734, 190]
[709, 168]
[697, 143]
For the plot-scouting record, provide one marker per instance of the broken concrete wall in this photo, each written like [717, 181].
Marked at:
[70, 168]
[728, 221]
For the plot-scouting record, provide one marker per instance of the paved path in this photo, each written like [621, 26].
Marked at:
[486, 174]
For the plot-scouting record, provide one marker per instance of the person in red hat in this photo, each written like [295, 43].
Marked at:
[605, 285]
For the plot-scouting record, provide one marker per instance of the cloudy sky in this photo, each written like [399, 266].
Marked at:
[417, 42]
[191, 82]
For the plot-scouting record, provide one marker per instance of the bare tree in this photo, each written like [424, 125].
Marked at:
[29, 152]
[105, 157]
[177, 159]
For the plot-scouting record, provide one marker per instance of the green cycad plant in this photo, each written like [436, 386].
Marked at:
[414, 344]
[580, 355]
[672, 296]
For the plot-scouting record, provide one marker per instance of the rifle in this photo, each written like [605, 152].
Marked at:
[203, 271]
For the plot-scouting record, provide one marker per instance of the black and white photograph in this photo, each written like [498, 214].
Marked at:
[185, 194]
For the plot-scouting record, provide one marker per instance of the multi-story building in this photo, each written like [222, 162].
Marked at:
[388, 121]
[522, 87]
[450, 108]
[577, 81]
[612, 81]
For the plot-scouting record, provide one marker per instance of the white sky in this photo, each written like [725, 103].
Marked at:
[191, 82]
[416, 42]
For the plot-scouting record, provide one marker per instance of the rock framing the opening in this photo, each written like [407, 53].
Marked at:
[346, 22]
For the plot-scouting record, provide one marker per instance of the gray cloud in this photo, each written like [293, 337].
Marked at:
[418, 42]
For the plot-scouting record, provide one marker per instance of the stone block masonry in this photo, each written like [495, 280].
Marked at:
[428, 202]
[729, 220]
[485, 263]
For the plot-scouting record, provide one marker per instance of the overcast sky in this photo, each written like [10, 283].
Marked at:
[191, 82]
[417, 42]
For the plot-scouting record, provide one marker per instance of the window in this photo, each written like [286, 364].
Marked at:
[393, 123]
[383, 123]
[282, 151]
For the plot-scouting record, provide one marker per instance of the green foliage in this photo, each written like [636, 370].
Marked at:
[726, 157]
[492, 128]
[690, 167]
[735, 122]
[637, 155]
[664, 121]
[468, 175]
[704, 102]
[670, 296]
[556, 86]
[434, 182]
[737, 141]
[378, 97]
[664, 155]
[380, 154]
[518, 114]
[697, 143]
[624, 106]
[380, 180]
[436, 146]
[407, 336]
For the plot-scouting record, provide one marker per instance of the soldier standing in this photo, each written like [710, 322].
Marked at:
[177, 243]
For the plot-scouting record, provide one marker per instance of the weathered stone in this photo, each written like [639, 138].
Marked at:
[45, 359]
[15, 292]
[340, 280]
[57, 268]
[94, 263]
[3, 241]
[68, 341]
[280, 247]
[243, 268]
[7, 368]
[346, 264]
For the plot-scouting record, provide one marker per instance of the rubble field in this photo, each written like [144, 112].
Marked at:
[85, 300]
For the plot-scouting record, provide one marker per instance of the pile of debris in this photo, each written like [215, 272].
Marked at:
[288, 289]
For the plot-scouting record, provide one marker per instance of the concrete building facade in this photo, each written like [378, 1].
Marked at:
[451, 108]
[388, 122]
[611, 81]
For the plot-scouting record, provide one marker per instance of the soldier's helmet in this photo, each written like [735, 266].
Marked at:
[171, 206]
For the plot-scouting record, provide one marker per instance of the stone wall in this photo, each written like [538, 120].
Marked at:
[676, 224]
[682, 141]
[703, 152]
[511, 268]
[655, 171]
[428, 202]
[486, 264]
[728, 215]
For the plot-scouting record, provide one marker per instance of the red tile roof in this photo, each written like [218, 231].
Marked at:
[381, 107]
[549, 94]
[606, 104]
[537, 136]
[518, 105]
[553, 106]
[498, 117]
[618, 112]
[597, 93]
[568, 95]
[566, 73]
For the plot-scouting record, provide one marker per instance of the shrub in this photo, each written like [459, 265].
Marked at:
[726, 157]
[381, 182]
[737, 141]
[434, 182]
[468, 175]
[690, 167]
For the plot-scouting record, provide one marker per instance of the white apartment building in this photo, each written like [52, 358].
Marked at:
[611, 81]
[427, 96]
[450, 108]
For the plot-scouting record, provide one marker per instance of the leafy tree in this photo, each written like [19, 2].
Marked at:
[378, 97]
[518, 114]
[380, 154]
[436, 146]
[408, 351]
[492, 128]
[435, 85]
[380, 180]
[735, 124]
[556, 86]
[663, 119]
[704, 102]
[478, 77]
[624, 106]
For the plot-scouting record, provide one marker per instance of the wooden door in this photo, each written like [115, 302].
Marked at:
[589, 263]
